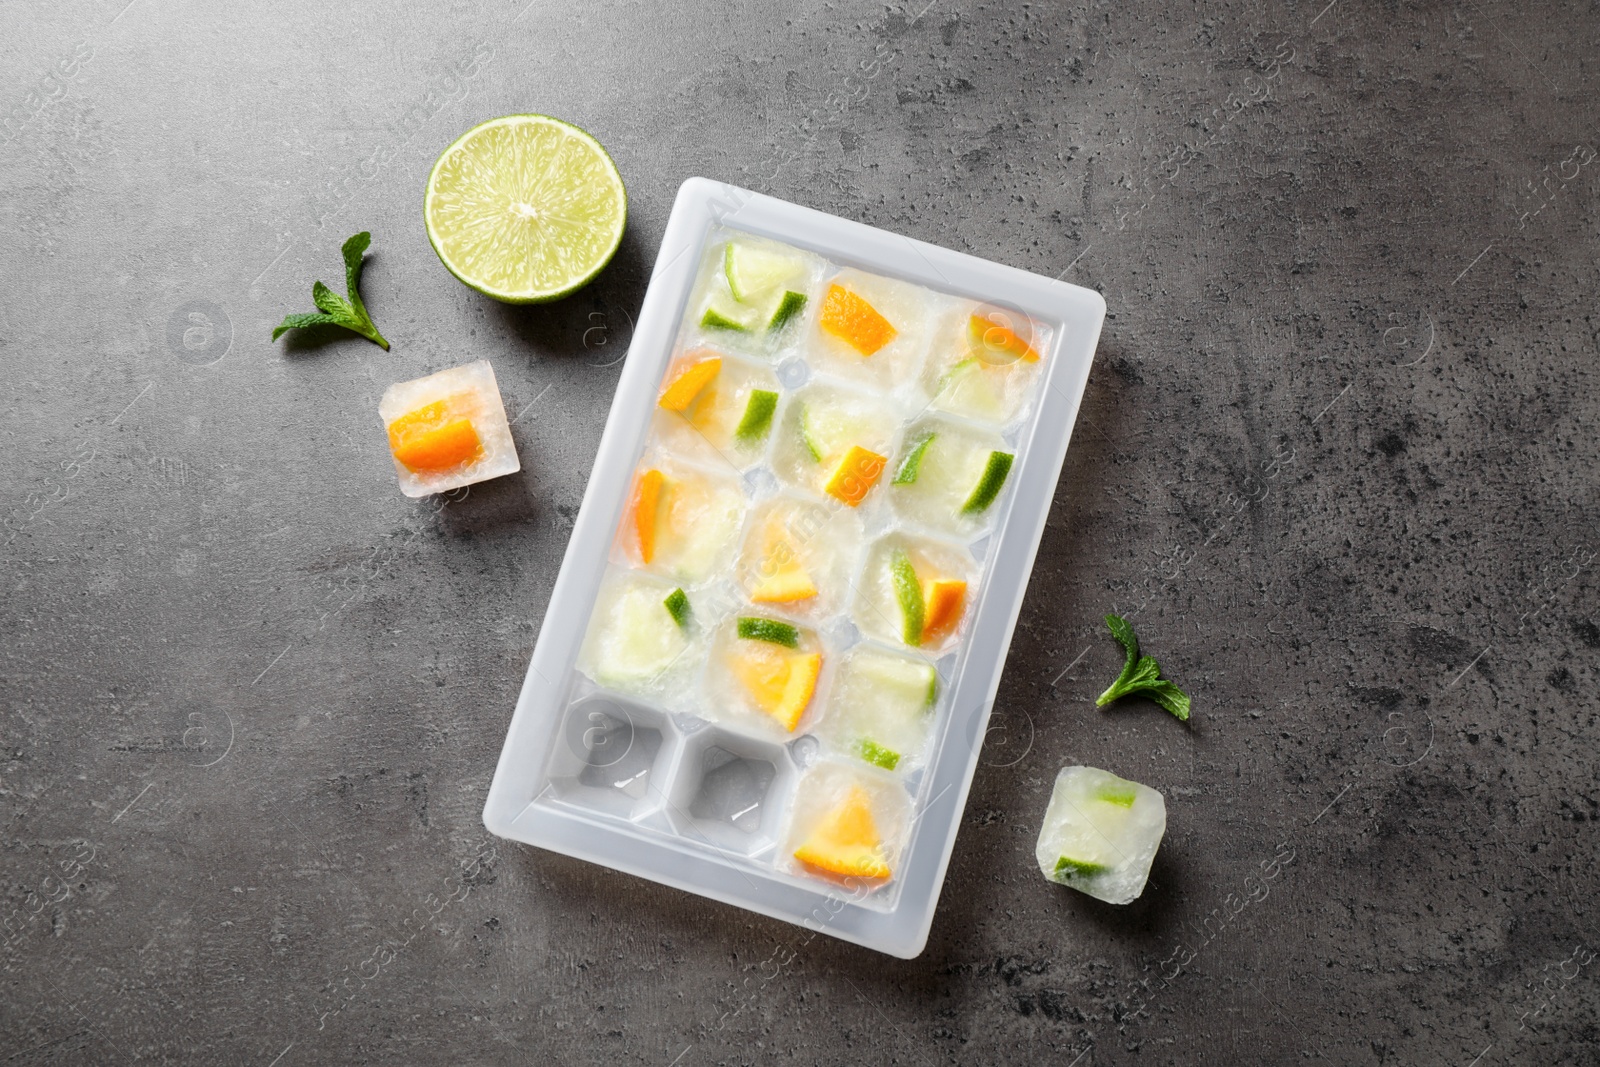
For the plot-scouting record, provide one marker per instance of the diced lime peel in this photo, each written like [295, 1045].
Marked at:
[753, 271]
[908, 594]
[1121, 796]
[754, 628]
[788, 308]
[912, 464]
[715, 319]
[677, 604]
[1067, 867]
[757, 418]
[875, 753]
[989, 485]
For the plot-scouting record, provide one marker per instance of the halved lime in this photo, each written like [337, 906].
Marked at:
[525, 208]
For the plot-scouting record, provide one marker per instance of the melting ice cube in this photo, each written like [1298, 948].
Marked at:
[1100, 834]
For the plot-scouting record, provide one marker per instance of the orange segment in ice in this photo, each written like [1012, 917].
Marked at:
[689, 377]
[846, 841]
[646, 506]
[854, 321]
[780, 681]
[993, 333]
[856, 473]
[781, 578]
[944, 597]
[429, 439]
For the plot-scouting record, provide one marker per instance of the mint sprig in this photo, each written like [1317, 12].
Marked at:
[1141, 674]
[347, 311]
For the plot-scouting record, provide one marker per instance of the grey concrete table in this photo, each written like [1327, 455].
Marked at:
[1337, 463]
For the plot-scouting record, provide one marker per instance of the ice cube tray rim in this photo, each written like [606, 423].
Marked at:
[1075, 316]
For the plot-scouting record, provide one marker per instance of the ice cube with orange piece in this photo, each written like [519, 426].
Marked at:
[984, 361]
[798, 554]
[682, 521]
[872, 329]
[848, 826]
[915, 592]
[765, 672]
[717, 407]
[448, 430]
[835, 442]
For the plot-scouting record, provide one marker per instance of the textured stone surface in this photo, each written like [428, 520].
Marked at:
[1337, 461]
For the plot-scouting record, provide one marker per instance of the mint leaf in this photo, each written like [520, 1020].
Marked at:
[348, 311]
[1141, 674]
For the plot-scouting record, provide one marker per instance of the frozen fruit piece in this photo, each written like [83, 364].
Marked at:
[855, 475]
[906, 473]
[908, 594]
[781, 683]
[647, 494]
[988, 487]
[785, 587]
[640, 637]
[753, 271]
[757, 419]
[992, 334]
[877, 755]
[854, 321]
[772, 631]
[677, 605]
[791, 304]
[846, 841]
[780, 576]
[431, 439]
[1100, 834]
[966, 388]
[690, 376]
[892, 682]
[943, 598]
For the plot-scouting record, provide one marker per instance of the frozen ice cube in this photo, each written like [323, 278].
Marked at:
[682, 522]
[636, 642]
[947, 477]
[848, 826]
[729, 420]
[752, 294]
[821, 426]
[881, 709]
[915, 592]
[1100, 833]
[763, 673]
[448, 430]
[797, 556]
[984, 361]
[873, 330]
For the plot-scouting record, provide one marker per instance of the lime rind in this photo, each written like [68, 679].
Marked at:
[912, 464]
[757, 419]
[1121, 796]
[789, 306]
[754, 272]
[677, 605]
[989, 484]
[723, 314]
[525, 209]
[908, 594]
[1067, 868]
[772, 631]
[877, 755]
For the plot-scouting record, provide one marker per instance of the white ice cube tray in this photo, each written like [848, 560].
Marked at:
[664, 780]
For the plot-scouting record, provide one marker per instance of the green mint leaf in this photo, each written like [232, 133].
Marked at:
[1141, 674]
[347, 311]
[300, 322]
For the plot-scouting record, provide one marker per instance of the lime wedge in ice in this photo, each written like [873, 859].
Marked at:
[1067, 867]
[874, 753]
[757, 418]
[724, 314]
[755, 628]
[788, 307]
[525, 208]
[753, 272]
[912, 464]
[896, 683]
[643, 639]
[967, 390]
[908, 594]
[677, 605]
[989, 485]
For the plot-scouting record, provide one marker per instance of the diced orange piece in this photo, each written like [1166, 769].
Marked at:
[944, 598]
[993, 331]
[690, 376]
[781, 681]
[846, 841]
[854, 321]
[647, 492]
[429, 439]
[856, 473]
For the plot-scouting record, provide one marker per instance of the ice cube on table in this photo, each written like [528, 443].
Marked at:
[797, 556]
[728, 419]
[872, 330]
[835, 443]
[448, 430]
[1100, 833]
[880, 710]
[682, 522]
[947, 477]
[984, 361]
